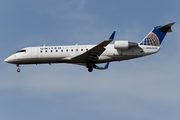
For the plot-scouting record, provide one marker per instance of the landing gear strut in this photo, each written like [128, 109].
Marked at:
[18, 70]
[90, 66]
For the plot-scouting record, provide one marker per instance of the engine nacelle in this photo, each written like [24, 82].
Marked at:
[124, 45]
[121, 45]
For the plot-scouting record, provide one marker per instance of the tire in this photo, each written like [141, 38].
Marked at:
[90, 69]
[18, 70]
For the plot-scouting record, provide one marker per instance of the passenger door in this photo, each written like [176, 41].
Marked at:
[34, 52]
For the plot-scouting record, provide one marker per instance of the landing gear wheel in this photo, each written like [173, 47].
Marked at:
[90, 65]
[18, 70]
[90, 69]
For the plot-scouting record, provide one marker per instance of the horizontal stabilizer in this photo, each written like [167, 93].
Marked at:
[167, 28]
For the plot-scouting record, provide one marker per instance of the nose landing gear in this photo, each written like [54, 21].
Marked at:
[18, 70]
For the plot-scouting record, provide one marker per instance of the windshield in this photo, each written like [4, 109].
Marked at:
[21, 51]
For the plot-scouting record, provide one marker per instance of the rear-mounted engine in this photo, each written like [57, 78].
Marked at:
[124, 45]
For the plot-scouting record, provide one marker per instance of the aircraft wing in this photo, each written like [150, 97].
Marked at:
[94, 53]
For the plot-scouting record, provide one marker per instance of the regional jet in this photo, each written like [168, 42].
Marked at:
[91, 55]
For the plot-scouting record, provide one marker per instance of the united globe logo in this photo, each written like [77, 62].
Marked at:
[151, 40]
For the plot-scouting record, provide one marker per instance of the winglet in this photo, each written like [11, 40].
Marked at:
[106, 66]
[112, 36]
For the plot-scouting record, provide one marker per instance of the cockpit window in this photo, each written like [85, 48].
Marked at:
[21, 51]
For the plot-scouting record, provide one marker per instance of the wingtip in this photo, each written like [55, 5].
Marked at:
[106, 66]
[112, 36]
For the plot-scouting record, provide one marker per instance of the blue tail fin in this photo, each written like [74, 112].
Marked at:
[156, 36]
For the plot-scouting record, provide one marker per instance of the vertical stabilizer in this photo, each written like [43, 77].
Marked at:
[156, 36]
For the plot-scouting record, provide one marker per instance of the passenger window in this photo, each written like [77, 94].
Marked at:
[56, 50]
[81, 49]
[67, 50]
[51, 50]
[86, 49]
[41, 51]
[76, 49]
[61, 50]
[72, 50]
[46, 50]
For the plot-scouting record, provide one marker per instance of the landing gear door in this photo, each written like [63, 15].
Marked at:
[34, 52]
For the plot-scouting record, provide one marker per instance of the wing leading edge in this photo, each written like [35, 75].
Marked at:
[94, 53]
[91, 56]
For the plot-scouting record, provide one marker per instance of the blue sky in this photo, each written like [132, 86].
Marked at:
[138, 89]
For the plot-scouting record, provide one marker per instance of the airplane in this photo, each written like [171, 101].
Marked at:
[91, 55]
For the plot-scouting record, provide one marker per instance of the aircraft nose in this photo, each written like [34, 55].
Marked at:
[10, 59]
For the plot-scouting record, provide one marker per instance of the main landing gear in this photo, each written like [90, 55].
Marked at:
[18, 70]
[90, 66]
[90, 69]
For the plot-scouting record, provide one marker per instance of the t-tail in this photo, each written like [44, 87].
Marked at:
[156, 36]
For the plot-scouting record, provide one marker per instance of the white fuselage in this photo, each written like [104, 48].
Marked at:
[90, 55]
[63, 54]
